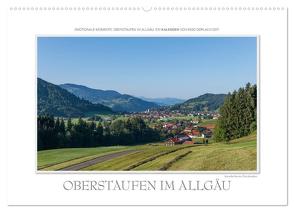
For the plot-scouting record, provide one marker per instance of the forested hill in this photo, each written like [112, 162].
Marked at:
[205, 102]
[113, 99]
[57, 101]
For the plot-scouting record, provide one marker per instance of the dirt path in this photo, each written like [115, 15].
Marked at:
[99, 159]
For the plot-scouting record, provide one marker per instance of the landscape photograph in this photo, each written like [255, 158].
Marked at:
[134, 104]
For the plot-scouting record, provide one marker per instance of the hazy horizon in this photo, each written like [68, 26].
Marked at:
[165, 97]
[150, 67]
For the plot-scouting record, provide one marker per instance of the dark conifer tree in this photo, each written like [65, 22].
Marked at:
[238, 114]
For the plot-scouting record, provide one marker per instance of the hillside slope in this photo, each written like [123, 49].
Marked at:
[205, 102]
[56, 101]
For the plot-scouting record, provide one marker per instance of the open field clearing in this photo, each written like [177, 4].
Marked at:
[219, 157]
[100, 159]
[238, 155]
[52, 157]
[206, 122]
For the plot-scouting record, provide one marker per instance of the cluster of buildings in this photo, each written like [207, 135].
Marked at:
[187, 135]
[165, 114]
[186, 131]
[202, 114]
[198, 132]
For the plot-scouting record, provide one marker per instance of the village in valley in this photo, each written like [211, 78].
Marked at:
[178, 128]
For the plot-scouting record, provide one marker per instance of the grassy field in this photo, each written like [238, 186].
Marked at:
[238, 155]
[207, 121]
[52, 157]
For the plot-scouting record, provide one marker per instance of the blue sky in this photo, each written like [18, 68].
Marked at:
[182, 67]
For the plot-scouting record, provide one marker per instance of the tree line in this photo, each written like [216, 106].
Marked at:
[57, 133]
[238, 114]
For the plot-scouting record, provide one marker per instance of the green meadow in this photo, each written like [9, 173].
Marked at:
[237, 155]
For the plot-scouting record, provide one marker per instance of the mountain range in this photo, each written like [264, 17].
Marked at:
[167, 101]
[113, 99]
[57, 101]
[71, 100]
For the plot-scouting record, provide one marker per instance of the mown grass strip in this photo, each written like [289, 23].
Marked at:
[153, 158]
[170, 163]
[44, 167]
